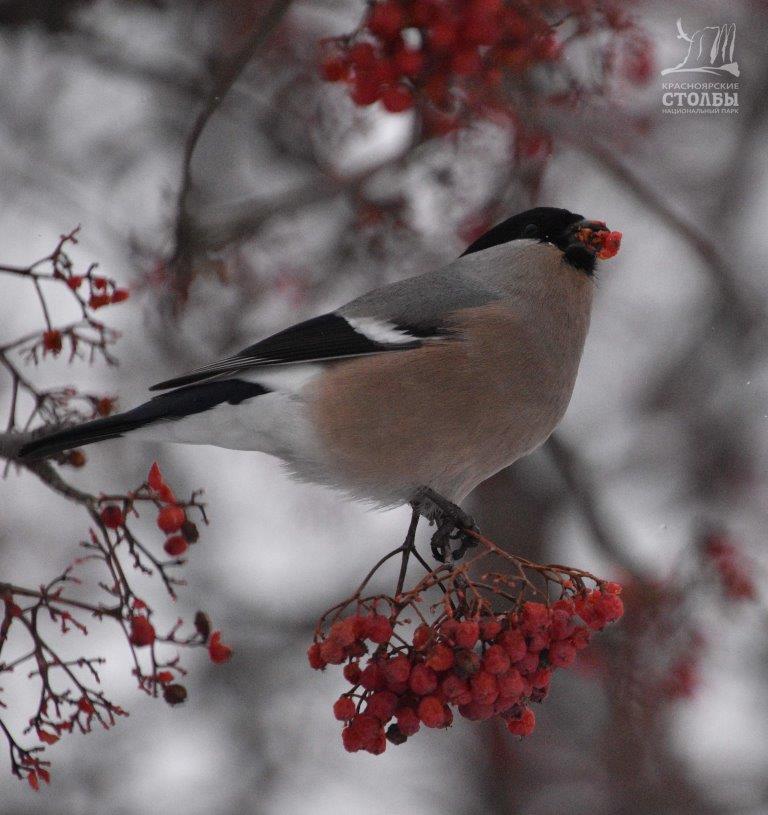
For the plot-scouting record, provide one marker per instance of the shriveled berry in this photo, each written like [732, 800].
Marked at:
[466, 662]
[395, 735]
[174, 694]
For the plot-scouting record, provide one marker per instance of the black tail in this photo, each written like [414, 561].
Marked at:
[167, 407]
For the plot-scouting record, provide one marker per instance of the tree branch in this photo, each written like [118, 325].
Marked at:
[227, 78]
[572, 472]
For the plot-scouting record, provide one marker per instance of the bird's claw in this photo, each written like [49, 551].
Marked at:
[453, 524]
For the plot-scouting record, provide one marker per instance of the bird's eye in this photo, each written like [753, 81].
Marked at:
[531, 231]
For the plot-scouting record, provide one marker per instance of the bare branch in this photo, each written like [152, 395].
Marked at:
[227, 78]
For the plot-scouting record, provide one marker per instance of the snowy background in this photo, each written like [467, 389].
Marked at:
[668, 419]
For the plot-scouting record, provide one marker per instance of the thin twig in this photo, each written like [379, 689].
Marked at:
[227, 78]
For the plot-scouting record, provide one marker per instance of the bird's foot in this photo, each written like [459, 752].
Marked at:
[452, 523]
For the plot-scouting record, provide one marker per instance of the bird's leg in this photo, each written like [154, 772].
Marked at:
[407, 548]
[451, 520]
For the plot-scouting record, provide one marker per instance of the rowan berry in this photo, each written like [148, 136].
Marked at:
[142, 632]
[485, 688]
[112, 516]
[431, 711]
[440, 658]
[217, 650]
[382, 705]
[52, 341]
[407, 720]
[352, 672]
[561, 653]
[175, 546]
[378, 629]
[513, 642]
[496, 660]
[423, 680]
[524, 725]
[397, 99]
[396, 669]
[315, 658]
[170, 519]
[344, 708]
[467, 633]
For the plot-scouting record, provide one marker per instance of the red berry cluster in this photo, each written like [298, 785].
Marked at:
[484, 666]
[730, 567]
[102, 290]
[171, 519]
[456, 53]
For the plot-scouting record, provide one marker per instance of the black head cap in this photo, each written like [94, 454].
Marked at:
[545, 224]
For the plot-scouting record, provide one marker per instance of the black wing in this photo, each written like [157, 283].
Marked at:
[330, 336]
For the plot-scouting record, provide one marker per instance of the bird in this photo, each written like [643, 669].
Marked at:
[413, 393]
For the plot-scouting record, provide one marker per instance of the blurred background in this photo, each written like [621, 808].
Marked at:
[295, 199]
